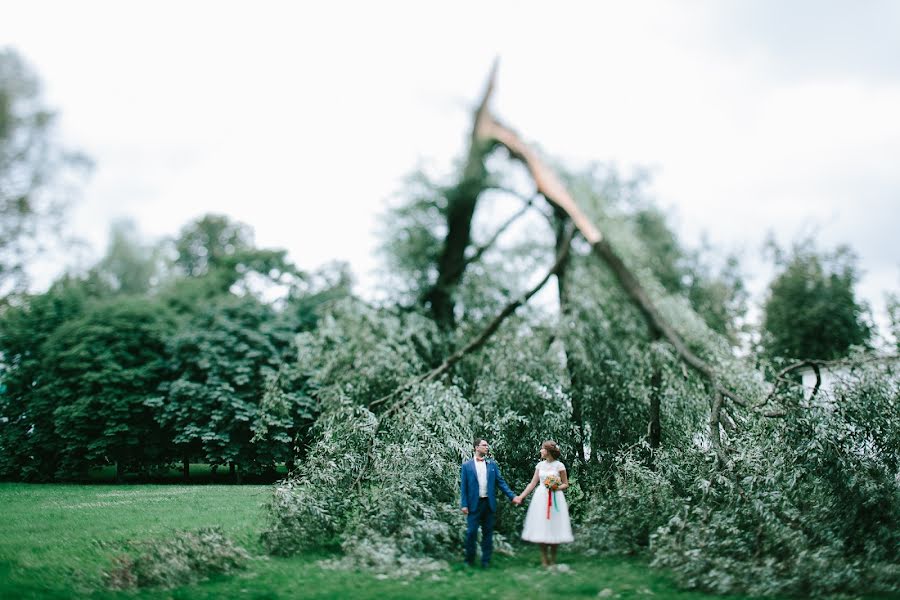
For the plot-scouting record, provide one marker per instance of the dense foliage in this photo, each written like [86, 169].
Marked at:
[207, 348]
[95, 374]
[808, 505]
[812, 489]
[812, 310]
[142, 362]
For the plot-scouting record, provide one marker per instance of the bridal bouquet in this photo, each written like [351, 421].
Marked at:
[552, 482]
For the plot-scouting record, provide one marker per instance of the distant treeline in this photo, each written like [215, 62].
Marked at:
[159, 356]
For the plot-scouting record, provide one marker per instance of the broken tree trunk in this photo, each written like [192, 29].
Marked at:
[480, 250]
[461, 202]
[549, 185]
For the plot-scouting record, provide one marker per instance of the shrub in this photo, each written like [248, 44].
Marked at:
[309, 509]
[390, 498]
[808, 505]
[184, 558]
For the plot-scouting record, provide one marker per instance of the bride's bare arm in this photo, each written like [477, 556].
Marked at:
[565, 480]
[530, 486]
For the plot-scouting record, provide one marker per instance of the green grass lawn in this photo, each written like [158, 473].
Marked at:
[56, 541]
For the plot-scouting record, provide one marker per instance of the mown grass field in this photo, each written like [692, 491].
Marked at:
[57, 540]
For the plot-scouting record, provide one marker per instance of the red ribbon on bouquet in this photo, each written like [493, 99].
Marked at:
[552, 502]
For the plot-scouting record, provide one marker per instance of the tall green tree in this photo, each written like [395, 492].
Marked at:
[220, 253]
[99, 372]
[37, 175]
[211, 242]
[812, 310]
[223, 356]
[29, 448]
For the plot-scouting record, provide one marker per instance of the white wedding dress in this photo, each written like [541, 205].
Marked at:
[557, 529]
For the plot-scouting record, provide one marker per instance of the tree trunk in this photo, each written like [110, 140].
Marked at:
[654, 429]
[186, 468]
[461, 202]
[451, 265]
[232, 472]
[120, 472]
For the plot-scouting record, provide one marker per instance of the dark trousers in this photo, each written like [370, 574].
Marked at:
[482, 517]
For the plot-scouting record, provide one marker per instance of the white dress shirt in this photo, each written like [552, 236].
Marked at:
[481, 473]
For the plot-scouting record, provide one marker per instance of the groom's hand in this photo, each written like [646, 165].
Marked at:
[465, 510]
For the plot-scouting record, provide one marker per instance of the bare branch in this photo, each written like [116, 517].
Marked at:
[524, 198]
[817, 366]
[715, 433]
[480, 250]
[507, 310]
[511, 192]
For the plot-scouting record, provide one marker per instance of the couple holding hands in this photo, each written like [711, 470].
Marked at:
[547, 521]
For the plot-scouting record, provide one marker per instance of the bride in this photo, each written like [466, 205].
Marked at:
[547, 521]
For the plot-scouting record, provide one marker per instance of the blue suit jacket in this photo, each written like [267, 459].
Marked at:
[468, 485]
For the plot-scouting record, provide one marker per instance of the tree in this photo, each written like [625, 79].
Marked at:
[29, 448]
[99, 372]
[36, 173]
[209, 243]
[221, 253]
[223, 357]
[812, 311]
[736, 495]
[128, 267]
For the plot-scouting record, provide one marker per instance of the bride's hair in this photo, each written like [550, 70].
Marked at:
[552, 448]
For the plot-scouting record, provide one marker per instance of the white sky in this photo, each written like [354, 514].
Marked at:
[300, 119]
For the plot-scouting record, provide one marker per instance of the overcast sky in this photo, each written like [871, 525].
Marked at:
[301, 118]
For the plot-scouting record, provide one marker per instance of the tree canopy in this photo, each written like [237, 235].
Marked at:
[37, 174]
[208, 348]
[812, 310]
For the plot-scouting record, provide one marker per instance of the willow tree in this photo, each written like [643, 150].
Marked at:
[626, 364]
[489, 134]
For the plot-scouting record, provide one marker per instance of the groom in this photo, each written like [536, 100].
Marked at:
[479, 479]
